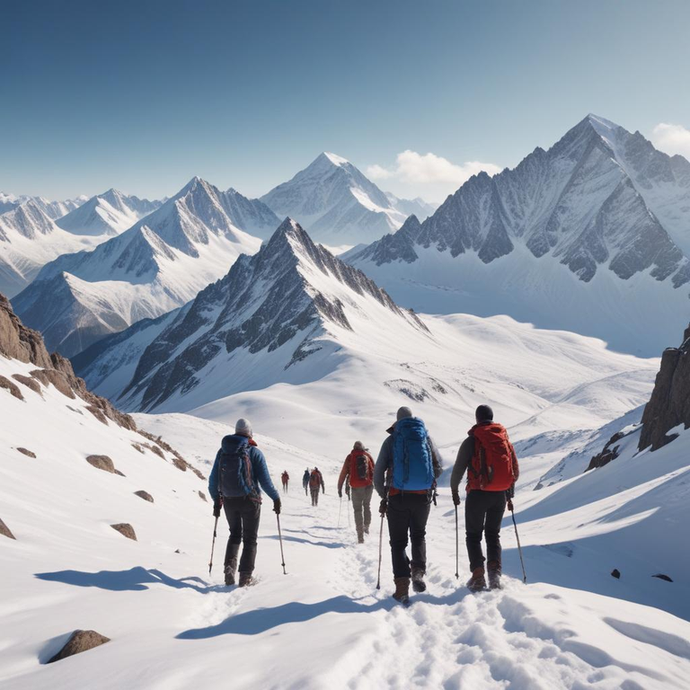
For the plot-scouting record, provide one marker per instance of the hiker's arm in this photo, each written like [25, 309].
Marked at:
[382, 464]
[462, 462]
[261, 474]
[343, 474]
[435, 458]
[516, 466]
[213, 479]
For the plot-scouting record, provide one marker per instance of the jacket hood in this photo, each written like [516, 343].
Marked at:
[234, 441]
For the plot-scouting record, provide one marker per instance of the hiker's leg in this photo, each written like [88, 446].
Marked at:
[234, 517]
[419, 514]
[357, 505]
[251, 514]
[368, 492]
[475, 515]
[492, 529]
[398, 525]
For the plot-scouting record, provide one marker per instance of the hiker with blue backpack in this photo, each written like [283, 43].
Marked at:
[405, 478]
[238, 475]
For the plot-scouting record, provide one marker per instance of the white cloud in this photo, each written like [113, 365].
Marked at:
[672, 139]
[427, 174]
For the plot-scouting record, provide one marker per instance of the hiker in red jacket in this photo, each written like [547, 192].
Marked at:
[492, 469]
[315, 485]
[285, 478]
[358, 468]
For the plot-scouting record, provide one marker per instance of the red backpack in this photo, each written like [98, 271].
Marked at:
[494, 465]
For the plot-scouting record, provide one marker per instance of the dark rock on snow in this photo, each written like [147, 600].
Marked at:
[27, 452]
[661, 576]
[13, 388]
[126, 530]
[80, 641]
[101, 462]
[29, 383]
[145, 495]
[5, 530]
[616, 573]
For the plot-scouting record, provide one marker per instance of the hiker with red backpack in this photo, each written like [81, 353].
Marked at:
[492, 469]
[316, 484]
[238, 475]
[405, 477]
[358, 475]
[285, 478]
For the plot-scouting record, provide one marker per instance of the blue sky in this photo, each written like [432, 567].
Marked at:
[144, 95]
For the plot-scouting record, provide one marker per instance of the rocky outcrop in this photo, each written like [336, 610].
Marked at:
[126, 530]
[145, 495]
[27, 452]
[13, 388]
[19, 342]
[609, 453]
[5, 531]
[669, 405]
[80, 641]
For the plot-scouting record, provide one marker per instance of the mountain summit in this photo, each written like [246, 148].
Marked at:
[335, 202]
[281, 314]
[591, 236]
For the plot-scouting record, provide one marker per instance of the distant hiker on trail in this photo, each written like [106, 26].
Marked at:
[315, 485]
[285, 478]
[492, 469]
[305, 481]
[358, 470]
[240, 468]
[405, 478]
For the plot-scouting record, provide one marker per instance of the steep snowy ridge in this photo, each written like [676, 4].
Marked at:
[285, 300]
[599, 221]
[29, 239]
[109, 213]
[157, 265]
[335, 203]
[53, 209]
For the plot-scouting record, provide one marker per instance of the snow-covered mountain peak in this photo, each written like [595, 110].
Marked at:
[335, 158]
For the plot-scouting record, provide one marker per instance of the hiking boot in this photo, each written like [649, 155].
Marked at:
[402, 589]
[229, 575]
[494, 568]
[246, 580]
[418, 583]
[366, 529]
[477, 582]
[360, 537]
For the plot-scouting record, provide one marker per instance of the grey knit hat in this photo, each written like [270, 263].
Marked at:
[403, 412]
[243, 428]
[358, 446]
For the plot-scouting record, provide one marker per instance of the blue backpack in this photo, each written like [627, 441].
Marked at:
[236, 476]
[413, 468]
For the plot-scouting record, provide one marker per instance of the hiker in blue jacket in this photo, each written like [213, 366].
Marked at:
[238, 472]
[405, 477]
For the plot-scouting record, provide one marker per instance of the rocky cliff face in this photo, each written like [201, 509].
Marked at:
[669, 405]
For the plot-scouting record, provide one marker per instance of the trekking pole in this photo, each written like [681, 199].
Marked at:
[378, 579]
[213, 545]
[517, 536]
[457, 574]
[340, 510]
[280, 538]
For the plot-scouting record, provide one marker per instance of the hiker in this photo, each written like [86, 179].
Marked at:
[358, 476]
[305, 481]
[405, 478]
[492, 469]
[285, 478]
[238, 472]
[315, 485]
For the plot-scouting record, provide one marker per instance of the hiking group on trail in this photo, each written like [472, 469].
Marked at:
[404, 475]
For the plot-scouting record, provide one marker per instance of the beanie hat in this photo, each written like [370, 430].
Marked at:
[358, 445]
[484, 413]
[403, 412]
[243, 428]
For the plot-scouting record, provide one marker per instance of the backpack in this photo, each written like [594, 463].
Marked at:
[235, 476]
[362, 467]
[413, 468]
[315, 480]
[491, 468]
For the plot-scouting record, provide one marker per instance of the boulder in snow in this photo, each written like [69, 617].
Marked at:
[28, 382]
[103, 462]
[27, 452]
[13, 388]
[126, 530]
[80, 641]
[145, 495]
[5, 530]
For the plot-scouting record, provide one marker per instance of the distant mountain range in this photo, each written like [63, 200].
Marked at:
[591, 236]
[337, 204]
[158, 264]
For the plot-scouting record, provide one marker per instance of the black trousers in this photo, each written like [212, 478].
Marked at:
[408, 513]
[484, 514]
[243, 516]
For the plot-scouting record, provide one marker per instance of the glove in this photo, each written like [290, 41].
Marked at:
[510, 493]
[217, 505]
[456, 498]
[276, 506]
[383, 508]
[340, 493]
